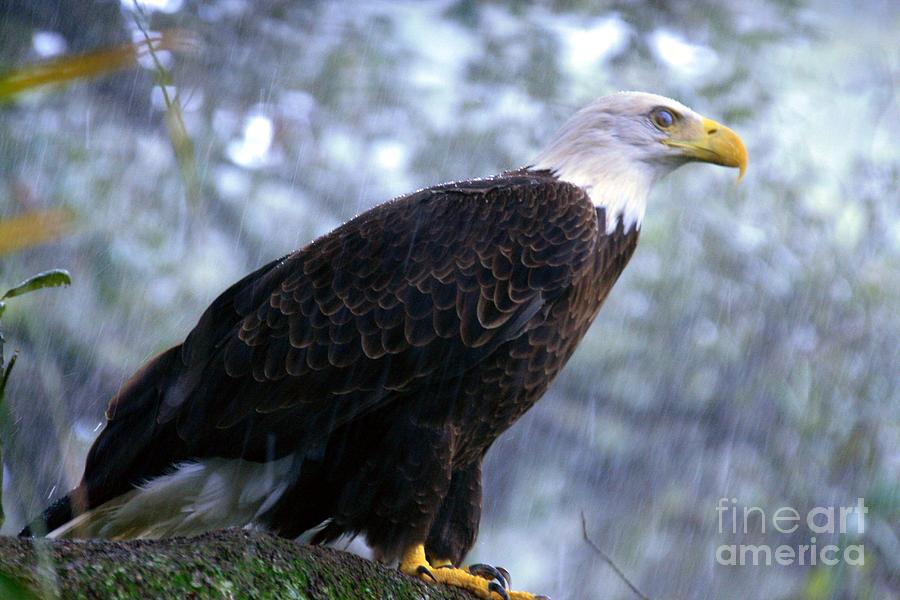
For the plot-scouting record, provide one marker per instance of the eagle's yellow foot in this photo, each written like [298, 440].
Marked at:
[483, 581]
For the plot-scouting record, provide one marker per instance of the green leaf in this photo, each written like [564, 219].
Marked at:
[12, 589]
[54, 278]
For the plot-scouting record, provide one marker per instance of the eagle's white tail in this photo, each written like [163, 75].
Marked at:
[195, 498]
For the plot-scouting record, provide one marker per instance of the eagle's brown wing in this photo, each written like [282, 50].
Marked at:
[409, 294]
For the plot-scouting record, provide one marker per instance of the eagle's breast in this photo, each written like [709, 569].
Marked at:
[510, 383]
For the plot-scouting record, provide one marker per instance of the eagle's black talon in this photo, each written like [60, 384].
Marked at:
[498, 589]
[423, 570]
[506, 576]
[490, 573]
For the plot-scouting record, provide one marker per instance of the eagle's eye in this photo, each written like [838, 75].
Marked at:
[663, 117]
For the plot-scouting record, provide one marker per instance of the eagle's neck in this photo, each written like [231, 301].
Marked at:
[614, 182]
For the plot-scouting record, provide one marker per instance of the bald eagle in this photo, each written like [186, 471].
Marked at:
[355, 385]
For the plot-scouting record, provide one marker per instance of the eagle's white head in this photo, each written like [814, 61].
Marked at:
[618, 146]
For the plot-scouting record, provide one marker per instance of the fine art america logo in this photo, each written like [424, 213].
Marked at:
[815, 529]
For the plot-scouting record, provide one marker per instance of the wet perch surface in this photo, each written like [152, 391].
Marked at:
[223, 564]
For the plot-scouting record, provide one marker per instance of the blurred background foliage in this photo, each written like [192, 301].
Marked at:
[750, 350]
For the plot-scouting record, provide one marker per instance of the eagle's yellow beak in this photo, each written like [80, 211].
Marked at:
[715, 144]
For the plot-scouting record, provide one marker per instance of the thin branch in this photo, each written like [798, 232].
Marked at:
[609, 561]
[182, 144]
